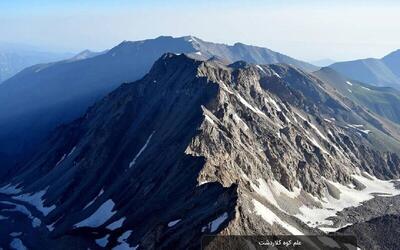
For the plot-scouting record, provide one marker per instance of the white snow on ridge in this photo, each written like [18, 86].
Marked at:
[258, 66]
[224, 87]
[271, 218]
[132, 163]
[358, 128]
[349, 83]
[10, 189]
[334, 229]
[123, 244]
[92, 201]
[365, 88]
[348, 197]
[239, 121]
[270, 100]
[22, 209]
[276, 74]
[100, 216]
[209, 119]
[318, 132]
[198, 53]
[61, 160]
[245, 103]
[173, 223]
[36, 200]
[280, 189]
[302, 117]
[72, 151]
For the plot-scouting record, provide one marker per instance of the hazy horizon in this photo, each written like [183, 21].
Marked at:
[310, 30]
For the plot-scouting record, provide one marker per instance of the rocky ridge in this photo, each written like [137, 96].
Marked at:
[199, 147]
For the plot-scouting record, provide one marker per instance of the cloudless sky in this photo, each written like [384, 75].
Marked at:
[305, 29]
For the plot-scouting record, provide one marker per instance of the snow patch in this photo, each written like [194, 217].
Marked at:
[116, 224]
[100, 216]
[254, 109]
[123, 244]
[265, 190]
[258, 66]
[132, 163]
[358, 127]
[173, 223]
[271, 218]
[302, 117]
[365, 88]
[10, 189]
[214, 225]
[348, 197]
[92, 201]
[198, 53]
[349, 83]
[22, 209]
[224, 87]
[72, 151]
[239, 121]
[275, 74]
[15, 234]
[270, 100]
[317, 131]
[209, 119]
[334, 229]
[103, 241]
[36, 200]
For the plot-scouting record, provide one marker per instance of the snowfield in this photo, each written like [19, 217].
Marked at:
[36, 200]
[100, 216]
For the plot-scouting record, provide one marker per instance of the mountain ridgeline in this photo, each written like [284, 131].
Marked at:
[199, 147]
[383, 101]
[44, 96]
[14, 58]
[384, 72]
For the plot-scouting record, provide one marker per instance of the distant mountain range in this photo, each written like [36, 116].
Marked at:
[199, 147]
[377, 72]
[14, 58]
[43, 96]
[384, 101]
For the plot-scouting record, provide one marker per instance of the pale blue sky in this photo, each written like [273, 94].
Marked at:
[308, 29]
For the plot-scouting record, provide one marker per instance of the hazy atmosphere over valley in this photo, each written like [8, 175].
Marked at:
[199, 125]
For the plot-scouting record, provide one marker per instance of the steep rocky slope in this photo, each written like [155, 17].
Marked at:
[197, 147]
